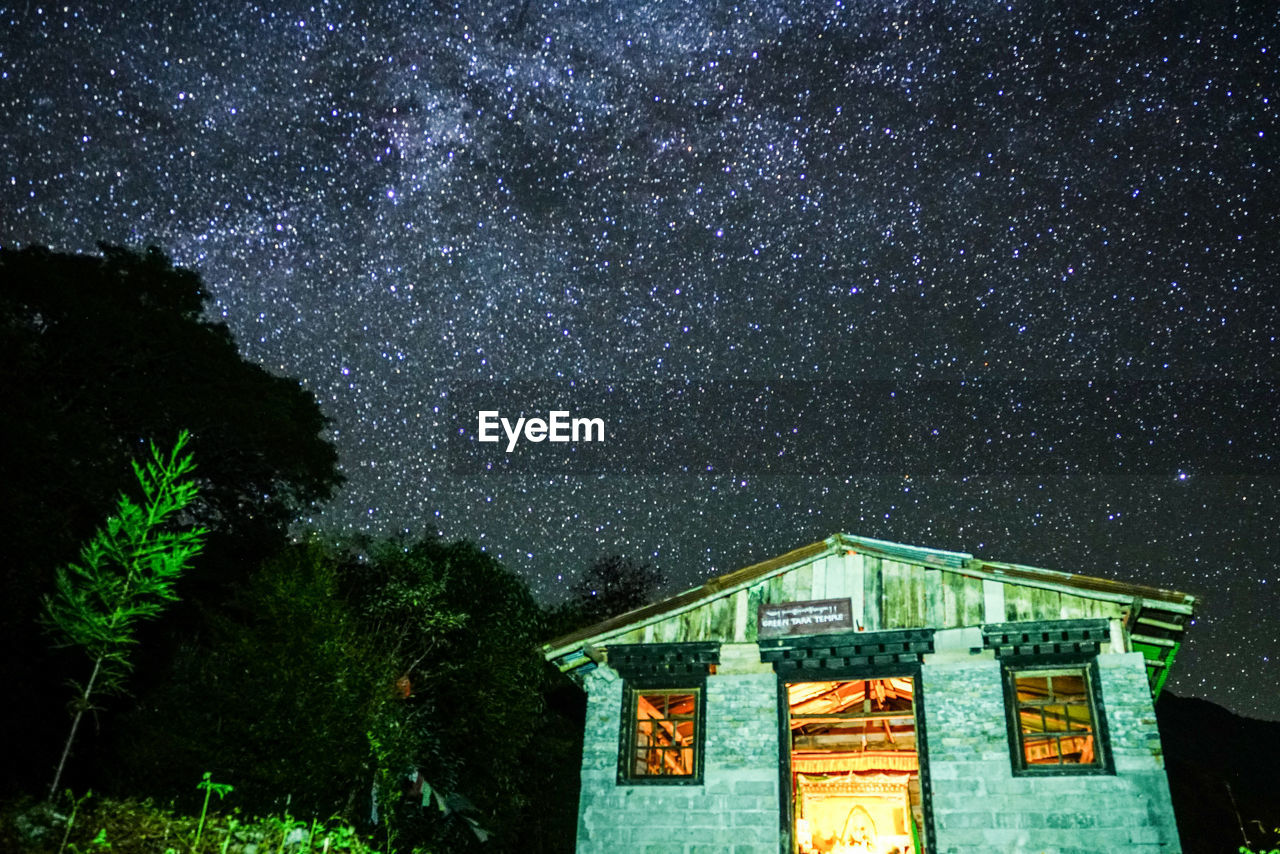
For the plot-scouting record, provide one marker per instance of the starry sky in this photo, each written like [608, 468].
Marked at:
[988, 277]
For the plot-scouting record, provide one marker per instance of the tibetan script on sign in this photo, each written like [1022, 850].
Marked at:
[805, 618]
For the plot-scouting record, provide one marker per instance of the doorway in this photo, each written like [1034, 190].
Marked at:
[855, 767]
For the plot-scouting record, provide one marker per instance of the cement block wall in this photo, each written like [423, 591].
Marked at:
[978, 805]
[734, 811]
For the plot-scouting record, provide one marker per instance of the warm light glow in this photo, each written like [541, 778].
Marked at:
[1055, 717]
[854, 765]
[664, 735]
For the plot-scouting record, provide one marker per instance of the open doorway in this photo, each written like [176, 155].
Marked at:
[855, 769]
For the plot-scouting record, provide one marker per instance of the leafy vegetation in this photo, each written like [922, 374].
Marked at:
[97, 825]
[126, 573]
[103, 353]
[387, 691]
[275, 696]
[395, 684]
[1275, 832]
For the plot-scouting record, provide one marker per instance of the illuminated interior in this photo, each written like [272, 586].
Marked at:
[664, 737]
[1055, 717]
[855, 773]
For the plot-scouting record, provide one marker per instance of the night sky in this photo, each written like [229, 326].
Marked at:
[982, 277]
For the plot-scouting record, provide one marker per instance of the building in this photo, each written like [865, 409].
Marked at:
[856, 695]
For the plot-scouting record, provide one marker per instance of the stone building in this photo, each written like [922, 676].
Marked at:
[856, 695]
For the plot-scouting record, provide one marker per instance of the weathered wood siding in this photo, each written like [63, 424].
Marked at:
[885, 594]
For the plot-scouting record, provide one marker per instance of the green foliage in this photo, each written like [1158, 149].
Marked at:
[388, 679]
[128, 570]
[127, 826]
[461, 631]
[277, 696]
[101, 352]
[478, 684]
[398, 599]
[126, 573]
[209, 787]
[76, 803]
[1244, 849]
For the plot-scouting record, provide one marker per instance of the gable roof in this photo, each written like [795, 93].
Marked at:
[1155, 617]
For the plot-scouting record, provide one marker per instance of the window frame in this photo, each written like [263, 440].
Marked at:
[1087, 666]
[631, 691]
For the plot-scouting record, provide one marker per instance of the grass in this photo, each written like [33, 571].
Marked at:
[94, 825]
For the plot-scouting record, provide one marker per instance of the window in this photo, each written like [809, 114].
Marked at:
[1055, 721]
[664, 710]
[662, 736]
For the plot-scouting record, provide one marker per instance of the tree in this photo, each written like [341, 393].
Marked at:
[126, 573]
[275, 697]
[612, 585]
[102, 354]
[475, 679]
[405, 668]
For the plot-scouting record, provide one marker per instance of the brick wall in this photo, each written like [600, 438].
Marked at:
[978, 805]
[735, 811]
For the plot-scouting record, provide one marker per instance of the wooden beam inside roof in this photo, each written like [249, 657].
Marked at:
[1160, 624]
[837, 717]
[1136, 638]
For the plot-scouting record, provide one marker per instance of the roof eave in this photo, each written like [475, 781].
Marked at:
[714, 588]
[726, 585]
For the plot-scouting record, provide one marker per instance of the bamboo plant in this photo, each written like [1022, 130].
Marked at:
[126, 573]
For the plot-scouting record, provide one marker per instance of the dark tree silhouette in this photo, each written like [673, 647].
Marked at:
[101, 355]
[613, 585]
[388, 664]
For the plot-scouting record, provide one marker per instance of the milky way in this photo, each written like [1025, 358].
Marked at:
[1052, 232]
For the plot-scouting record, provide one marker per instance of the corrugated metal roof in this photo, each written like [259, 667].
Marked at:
[910, 554]
[719, 586]
[961, 562]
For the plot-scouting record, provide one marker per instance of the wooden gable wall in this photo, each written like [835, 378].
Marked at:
[885, 594]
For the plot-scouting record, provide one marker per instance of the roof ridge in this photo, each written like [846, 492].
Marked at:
[953, 561]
